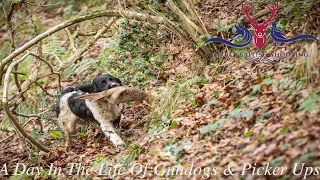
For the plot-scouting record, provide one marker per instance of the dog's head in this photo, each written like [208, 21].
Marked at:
[105, 82]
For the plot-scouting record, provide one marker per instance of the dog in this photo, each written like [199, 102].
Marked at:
[71, 110]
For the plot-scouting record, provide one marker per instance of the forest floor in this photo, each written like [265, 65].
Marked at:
[255, 115]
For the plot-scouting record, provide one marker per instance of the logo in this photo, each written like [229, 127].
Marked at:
[259, 36]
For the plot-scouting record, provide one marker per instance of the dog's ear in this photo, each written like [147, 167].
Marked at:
[67, 90]
[86, 88]
[94, 87]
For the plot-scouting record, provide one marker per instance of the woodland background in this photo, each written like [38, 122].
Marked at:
[205, 110]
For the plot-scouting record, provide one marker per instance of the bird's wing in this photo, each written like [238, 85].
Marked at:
[110, 95]
[117, 95]
[91, 97]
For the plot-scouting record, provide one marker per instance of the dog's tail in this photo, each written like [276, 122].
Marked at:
[56, 107]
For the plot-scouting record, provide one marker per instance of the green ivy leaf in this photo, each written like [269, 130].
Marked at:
[255, 90]
[211, 102]
[211, 127]
[173, 124]
[284, 130]
[247, 114]
[261, 137]
[237, 104]
[248, 133]
[55, 134]
[228, 79]
[151, 132]
[235, 113]
[35, 133]
[311, 103]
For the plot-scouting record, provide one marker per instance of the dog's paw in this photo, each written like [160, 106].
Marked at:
[121, 147]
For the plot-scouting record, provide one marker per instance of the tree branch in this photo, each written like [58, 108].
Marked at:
[12, 118]
[88, 16]
[51, 68]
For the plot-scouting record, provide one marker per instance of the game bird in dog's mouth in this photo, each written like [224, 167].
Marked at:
[99, 102]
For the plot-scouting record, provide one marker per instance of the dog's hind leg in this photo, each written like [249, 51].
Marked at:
[67, 119]
[68, 126]
[69, 129]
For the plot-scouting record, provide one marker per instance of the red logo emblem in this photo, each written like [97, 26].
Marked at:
[259, 36]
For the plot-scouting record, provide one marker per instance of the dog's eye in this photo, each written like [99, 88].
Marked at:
[103, 83]
[111, 79]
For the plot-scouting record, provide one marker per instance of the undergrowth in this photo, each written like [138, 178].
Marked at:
[133, 55]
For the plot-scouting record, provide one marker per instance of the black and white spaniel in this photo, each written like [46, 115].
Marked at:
[71, 111]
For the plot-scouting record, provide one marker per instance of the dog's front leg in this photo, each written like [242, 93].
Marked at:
[109, 131]
[102, 112]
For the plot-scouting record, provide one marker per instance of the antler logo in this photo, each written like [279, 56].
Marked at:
[260, 37]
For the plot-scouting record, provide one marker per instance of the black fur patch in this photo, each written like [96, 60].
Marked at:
[85, 88]
[79, 107]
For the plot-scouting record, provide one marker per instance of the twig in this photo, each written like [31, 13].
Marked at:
[28, 17]
[45, 91]
[228, 84]
[3, 140]
[250, 74]
[39, 45]
[42, 5]
[43, 60]
[78, 54]
[31, 115]
[25, 115]
[8, 18]
[191, 28]
[51, 69]
[19, 73]
[86, 34]
[120, 5]
[9, 23]
[71, 40]
[56, 57]
[16, 80]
